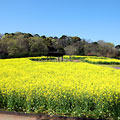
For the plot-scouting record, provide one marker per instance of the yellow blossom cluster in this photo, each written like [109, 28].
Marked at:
[73, 88]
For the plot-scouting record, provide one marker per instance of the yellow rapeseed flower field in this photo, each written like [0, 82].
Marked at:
[102, 61]
[65, 88]
[95, 59]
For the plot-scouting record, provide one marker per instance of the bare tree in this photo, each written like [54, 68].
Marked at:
[71, 50]
[1, 35]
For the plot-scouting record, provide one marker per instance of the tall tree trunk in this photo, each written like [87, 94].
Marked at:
[70, 58]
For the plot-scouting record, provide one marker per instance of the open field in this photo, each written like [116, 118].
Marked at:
[59, 88]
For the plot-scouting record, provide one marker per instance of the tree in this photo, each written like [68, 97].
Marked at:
[3, 49]
[28, 35]
[63, 37]
[117, 47]
[1, 35]
[76, 39]
[71, 50]
[36, 35]
[25, 44]
[38, 47]
[107, 49]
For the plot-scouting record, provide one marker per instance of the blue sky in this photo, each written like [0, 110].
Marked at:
[90, 19]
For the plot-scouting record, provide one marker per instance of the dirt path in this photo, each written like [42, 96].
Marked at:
[16, 117]
[116, 67]
[22, 116]
[13, 117]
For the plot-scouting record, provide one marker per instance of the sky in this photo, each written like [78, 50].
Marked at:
[92, 20]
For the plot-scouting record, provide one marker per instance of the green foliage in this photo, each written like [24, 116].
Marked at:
[59, 88]
[25, 44]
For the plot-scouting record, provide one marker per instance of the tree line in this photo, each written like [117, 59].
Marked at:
[20, 44]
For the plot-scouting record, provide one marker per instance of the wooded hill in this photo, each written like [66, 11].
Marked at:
[26, 45]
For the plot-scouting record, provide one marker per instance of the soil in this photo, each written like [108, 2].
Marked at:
[116, 67]
[23, 116]
[76, 61]
[15, 117]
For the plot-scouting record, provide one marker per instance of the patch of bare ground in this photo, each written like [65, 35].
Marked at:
[23, 116]
[116, 67]
[76, 61]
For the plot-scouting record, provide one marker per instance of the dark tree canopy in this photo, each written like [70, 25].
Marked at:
[20, 44]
